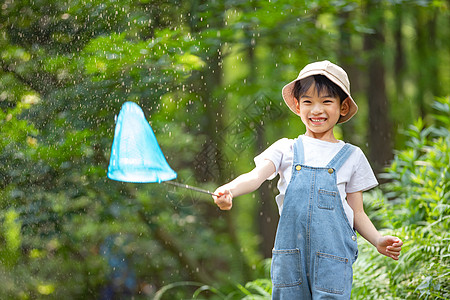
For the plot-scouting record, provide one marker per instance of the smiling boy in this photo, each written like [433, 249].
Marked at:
[321, 189]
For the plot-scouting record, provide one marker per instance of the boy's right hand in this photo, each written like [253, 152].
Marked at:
[225, 199]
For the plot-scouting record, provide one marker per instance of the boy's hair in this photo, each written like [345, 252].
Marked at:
[322, 84]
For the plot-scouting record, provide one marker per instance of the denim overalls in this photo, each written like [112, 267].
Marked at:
[315, 245]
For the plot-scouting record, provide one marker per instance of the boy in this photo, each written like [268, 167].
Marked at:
[321, 185]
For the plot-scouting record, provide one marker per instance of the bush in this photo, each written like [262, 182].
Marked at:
[417, 211]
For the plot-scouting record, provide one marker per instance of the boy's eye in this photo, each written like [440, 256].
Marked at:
[306, 101]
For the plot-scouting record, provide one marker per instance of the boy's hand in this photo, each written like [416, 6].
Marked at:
[225, 199]
[390, 246]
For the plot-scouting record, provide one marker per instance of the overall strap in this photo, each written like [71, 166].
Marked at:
[299, 153]
[341, 157]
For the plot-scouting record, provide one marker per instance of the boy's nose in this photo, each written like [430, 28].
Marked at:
[317, 109]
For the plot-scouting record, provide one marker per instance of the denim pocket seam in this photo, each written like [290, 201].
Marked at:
[296, 254]
[322, 203]
[330, 257]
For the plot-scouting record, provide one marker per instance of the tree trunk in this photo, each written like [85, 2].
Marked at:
[428, 84]
[422, 53]
[346, 57]
[399, 62]
[380, 137]
[267, 214]
[435, 83]
[211, 163]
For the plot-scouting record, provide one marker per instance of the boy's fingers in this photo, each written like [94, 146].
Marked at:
[219, 201]
[223, 199]
[392, 239]
[225, 206]
[393, 254]
[223, 203]
[394, 249]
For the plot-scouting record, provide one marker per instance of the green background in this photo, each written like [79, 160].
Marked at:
[208, 75]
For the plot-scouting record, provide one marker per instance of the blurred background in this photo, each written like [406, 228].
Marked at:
[208, 75]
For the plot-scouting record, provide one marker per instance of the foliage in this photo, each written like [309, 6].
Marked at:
[208, 76]
[416, 207]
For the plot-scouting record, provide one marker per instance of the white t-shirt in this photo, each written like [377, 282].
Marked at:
[355, 174]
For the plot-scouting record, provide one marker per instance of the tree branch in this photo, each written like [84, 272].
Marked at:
[36, 83]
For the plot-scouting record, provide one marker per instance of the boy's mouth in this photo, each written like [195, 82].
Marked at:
[318, 121]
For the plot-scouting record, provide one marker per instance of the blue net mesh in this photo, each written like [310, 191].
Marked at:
[135, 154]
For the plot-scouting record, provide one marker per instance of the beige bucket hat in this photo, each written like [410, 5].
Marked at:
[333, 72]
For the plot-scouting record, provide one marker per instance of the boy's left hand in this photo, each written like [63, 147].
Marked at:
[390, 246]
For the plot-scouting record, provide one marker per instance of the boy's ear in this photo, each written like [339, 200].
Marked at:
[297, 106]
[345, 107]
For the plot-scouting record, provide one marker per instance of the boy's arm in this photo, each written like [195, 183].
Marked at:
[245, 183]
[386, 245]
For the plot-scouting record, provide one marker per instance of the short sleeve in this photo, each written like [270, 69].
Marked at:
[275, 154]
[362, 178]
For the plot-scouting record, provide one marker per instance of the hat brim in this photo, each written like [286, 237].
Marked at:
[290, 101]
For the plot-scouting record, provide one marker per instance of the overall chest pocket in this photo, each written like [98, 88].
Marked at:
[327, 199]
[286, 268]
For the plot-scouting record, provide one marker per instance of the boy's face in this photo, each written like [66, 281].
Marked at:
[320, 113]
